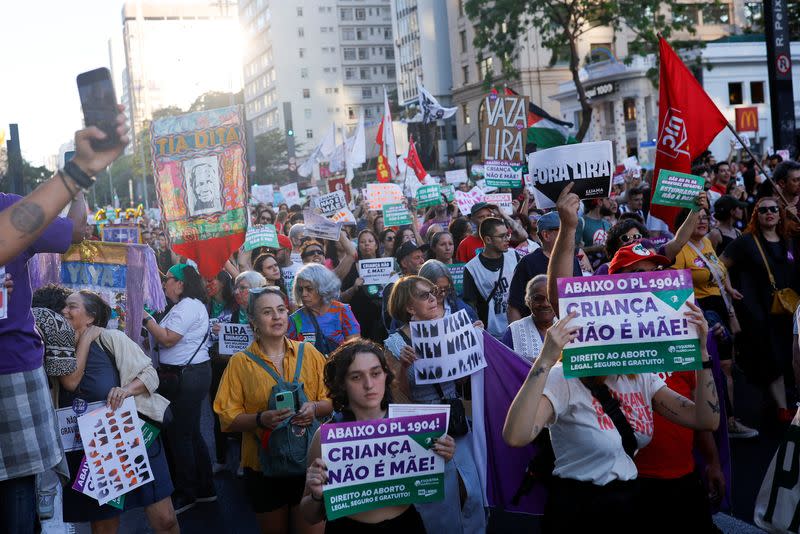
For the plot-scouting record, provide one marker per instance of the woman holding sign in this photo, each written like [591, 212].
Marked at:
[365, 299]
[414, 298]
[359, 380]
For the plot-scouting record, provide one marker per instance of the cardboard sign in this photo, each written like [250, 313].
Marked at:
[385, 462]
[447, 349]
[630, 323]
[263, 194]
[396, 215]
[376, 271]
[264, 235]
[115, 450]
[121, 234]
[331, 203]
[677, 189]
[3, 294]
[380, 194]
[234, 337]
[589, 166]
[457, 273]
[319, 227]
[465, 200]
[505, 129]
[502, 201]
[290, 194]
[429, 195]
[458, 176]
[68, 428]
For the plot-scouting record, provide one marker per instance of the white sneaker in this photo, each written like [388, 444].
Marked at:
[219, 468]
[738, 430]
[45, 506]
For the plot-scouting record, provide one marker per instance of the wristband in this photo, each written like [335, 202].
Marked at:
[83, 180]
[708, 364]
[259, 424]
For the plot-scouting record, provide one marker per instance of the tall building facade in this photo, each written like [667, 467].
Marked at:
[175, 52]
[308, 63]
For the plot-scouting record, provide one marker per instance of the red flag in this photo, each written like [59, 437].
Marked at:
[688, 121]
[412, 160]
[382, 167]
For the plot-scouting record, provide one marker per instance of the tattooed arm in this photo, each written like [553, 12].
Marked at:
[22, 223]
[703, 413]
[531, 410]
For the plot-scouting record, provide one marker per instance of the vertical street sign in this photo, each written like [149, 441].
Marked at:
[779, 65]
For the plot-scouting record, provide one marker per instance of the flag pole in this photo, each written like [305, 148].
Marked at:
[761, 169]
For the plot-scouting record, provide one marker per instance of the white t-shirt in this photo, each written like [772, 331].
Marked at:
[586, 443]
[188, 318]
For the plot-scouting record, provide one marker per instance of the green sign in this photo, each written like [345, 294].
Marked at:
[449, 191]
[396, 215]
[677, 189]
[429, 195]
[457, 273]
[264, 235]
[503, 174]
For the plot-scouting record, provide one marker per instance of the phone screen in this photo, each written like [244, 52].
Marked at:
[99, 103]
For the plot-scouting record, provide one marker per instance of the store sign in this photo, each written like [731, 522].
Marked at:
[747, 119]
[602, 89]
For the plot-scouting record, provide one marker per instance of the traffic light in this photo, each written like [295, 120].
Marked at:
[288, 127]
[290, 132]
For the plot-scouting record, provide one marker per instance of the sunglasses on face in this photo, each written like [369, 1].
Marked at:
[314, 252]
[767, 209]
[427, 295]
[389, 238]
[625, 238]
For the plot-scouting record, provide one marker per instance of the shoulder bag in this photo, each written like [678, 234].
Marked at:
[716, 273]
[171, 376]
[784, 301]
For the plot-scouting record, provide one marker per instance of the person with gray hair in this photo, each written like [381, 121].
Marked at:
[296, 234]
[525, 336]
[244, 282]
[445, 289]
[322, 320]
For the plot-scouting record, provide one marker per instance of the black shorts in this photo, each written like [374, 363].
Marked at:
[268, 494]
[409, 522]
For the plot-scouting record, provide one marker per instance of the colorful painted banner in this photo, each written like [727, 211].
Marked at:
[447, 349]
[380, 194]
[457, 273]
[677, 189]
[385, 462]
[396, 215]
[630, 323]
[234, 337]
[263, 235]
[121, 234]
[200, 166]
[588, 166]
[429, 195]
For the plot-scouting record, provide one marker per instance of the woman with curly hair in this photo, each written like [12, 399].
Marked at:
[359, 381]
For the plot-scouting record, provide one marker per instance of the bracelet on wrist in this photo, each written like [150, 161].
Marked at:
[259, 424]
[72, 193]
[83, 180]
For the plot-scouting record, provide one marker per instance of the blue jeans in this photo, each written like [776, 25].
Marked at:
[18, 505]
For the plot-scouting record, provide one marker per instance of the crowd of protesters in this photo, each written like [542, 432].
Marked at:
[347, 344]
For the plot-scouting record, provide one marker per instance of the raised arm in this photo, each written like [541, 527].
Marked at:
[346, 263]
[563, 255]
[684, 233]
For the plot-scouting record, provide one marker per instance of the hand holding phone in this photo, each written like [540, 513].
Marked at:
[99, 103]
[285, 401]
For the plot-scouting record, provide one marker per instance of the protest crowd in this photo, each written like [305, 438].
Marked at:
[433, 354]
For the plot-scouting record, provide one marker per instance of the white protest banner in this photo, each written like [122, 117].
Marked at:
[113, 443]
[319, 227]
[263, 194]
[406, 410]
[234, 337]
[502, 201]
[380, 194]
[383, 462]
[465, 200]
[331, 203]
[376, 271]
[630, 323]
[3, 294]
[290, 194]
[458, 176]
[310, 192]
[68, 423]
[264, 235]
[589, 166]
[344, 216]
[447, 349]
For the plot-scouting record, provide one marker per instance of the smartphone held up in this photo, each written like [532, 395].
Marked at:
[99, 103]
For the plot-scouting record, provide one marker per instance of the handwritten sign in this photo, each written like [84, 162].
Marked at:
[630, 323]
[505, 133]
[376, 271]
[458, 176]
[465, 200]
[344, 216]
[263, 194]
[429, 195]
[502, 201]
[234, 337]
[385, 462]
[396, 215]
[380, 194]
[331, 203]
[588, 166]
[319, 227]
[68, 423]
[290, 194]
[447, 349]
[264, 235]
[677, 189]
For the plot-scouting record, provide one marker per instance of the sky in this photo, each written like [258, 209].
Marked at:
[45, 44]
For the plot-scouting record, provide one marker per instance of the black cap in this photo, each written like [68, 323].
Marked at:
[726, 203]
[407, 248]
[478, 206]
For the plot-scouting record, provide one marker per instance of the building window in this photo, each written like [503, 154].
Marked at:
[309, 134]
[351, 112]
[387, 32]
[686, 14]
[756, 92]
[629, 106]
[304, 72]
[299, 11]
[361, 13]
[306, 93]
[349, 53]
[390, 72]
[346, 14]
[307, 113]
[301, 52]
[754, 16]
[301, 32]
[349, 73]
[367, 113]
[348, 34]
[363, 53]
[462, 35]
[389, 52]
[465, 113]
[465, 71]
[485, 68]
[366, 92]
[716, 13]
[735, 93]
[364, 74]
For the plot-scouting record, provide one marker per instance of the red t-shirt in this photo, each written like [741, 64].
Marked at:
[718, 188]
[669, 454]
[468, 247]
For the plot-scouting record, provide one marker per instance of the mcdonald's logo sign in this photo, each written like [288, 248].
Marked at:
[747, 119]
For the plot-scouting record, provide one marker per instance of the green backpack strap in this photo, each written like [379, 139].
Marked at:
[299, 366]
[266, 367]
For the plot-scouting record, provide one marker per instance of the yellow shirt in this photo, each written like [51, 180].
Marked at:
[703, 280]
[245, 389]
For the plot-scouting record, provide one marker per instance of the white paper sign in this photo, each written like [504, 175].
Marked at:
[458, 176]
[502, 201]
[263, 194]
[3, 294]
[68, 423]
[380, 194]
[405, 410]
[379, 271]
[115, 450]
[465, 201]
[331, 203]
[234, 337]
[344, 216]
[447, 349]
[290, 194]
[319, 227]
[310, 192]
[485, 188]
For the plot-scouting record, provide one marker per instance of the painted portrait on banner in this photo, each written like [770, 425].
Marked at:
[204, 187]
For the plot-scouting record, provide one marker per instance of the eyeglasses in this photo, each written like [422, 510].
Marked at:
[427, 295]
[625, 238]
[242, 289]
[504, 237]
[313, 252]
[767, 209]
[440, 291]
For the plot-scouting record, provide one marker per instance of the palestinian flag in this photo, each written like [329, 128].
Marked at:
[544, 130]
